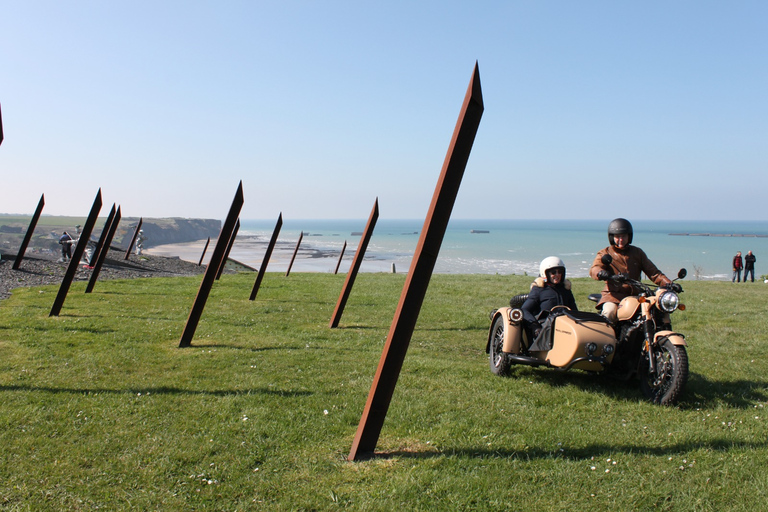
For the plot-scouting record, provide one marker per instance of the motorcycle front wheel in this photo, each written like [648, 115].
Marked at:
[499, 362]
[665, 386]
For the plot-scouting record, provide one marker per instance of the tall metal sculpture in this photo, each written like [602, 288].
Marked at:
[1, 125]
[295, 252]
[341, 255]
[99, 261]
[77, 255]
[204, 249]
[229, 248]
[212, 269]
[358, 259]
[133, 238]
[103, 236]
[420, 273]
[28, 234]
[267, 256]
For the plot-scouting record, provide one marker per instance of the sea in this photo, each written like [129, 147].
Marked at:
[704, 248]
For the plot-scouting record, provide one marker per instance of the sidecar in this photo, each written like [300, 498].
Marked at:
[575, 340]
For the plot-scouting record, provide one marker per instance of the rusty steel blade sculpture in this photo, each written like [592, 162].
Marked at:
[267, 256]
[213, 267]
[420, 273]
[77, 254]
[104, 250]
[204, 249]
[295, 252]
[338, 263]
[358, 259]
[103, 236]
[28, 234]
[229, 248]
[1, 126]
[133, 238]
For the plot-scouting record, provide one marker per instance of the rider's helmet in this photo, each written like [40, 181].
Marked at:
[618, 227]
[548, 264]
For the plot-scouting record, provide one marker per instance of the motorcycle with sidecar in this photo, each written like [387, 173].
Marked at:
[641, 343]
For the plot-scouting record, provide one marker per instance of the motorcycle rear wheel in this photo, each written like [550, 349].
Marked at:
[499, 363]
[666, 385]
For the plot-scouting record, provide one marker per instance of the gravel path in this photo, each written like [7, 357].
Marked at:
[38, 271]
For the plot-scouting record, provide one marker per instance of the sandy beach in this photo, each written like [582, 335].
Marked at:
[250, 251]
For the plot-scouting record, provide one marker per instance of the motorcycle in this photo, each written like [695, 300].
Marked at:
[641, 343]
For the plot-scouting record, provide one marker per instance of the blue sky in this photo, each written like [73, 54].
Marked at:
[593, 109]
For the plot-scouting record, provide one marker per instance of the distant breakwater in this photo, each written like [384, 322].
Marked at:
[735, 235]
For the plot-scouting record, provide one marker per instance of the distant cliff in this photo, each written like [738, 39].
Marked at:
[167, 231]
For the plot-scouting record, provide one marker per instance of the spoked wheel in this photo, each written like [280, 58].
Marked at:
[499, 362]
[666, 385]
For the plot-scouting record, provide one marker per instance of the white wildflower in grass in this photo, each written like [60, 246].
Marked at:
[325, 411]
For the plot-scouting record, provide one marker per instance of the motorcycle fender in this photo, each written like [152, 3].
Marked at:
[675, 337]
[513, 334]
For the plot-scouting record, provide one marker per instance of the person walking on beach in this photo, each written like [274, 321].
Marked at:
[749, 266]
[737, 266]
[628, 260]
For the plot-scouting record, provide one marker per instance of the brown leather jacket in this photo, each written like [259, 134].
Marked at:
[630, 261]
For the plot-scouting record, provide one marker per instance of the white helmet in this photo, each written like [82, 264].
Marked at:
[549, 263]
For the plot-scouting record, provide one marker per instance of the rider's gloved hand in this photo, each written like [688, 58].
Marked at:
[675, 287]
[603, 275]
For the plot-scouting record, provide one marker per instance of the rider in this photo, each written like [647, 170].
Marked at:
[550, 289]
[628, 260]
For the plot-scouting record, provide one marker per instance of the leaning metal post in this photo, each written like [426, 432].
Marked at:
[85, 235]
[267, 256]
[103, 236]
[352, 274]
[423, 263]
[213, 267]
[295, 252]
[338, 263]
[204, 249]
[229, 248]
[133, 238]
[28, 234]
[104, 250]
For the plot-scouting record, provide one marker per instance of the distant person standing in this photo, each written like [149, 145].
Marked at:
[737, 266]
[66, 246]
[749, 266]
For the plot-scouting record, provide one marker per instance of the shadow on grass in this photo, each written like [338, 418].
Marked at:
[164, 390]
[699, 392]
[588, 452]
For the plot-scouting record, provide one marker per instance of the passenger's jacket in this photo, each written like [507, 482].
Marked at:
[543, 297]
[630, 261]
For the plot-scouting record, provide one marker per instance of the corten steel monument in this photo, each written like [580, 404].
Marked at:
[110, 233]
[267, 256]
[204, 249]
[103, 236]
[341, 255]
[229, 248]
[77, 254]
[295, 252]
[1, 126]
[212, 269]
[358, 259]
[423, 264]
[28, 234]
[133, 238]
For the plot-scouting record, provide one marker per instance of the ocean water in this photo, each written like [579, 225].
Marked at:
[504, 246]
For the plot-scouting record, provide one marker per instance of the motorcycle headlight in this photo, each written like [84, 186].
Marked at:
[669, 302]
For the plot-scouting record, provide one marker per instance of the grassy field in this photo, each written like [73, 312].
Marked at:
[100, 409]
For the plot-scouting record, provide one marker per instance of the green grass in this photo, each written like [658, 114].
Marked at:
[100, 409]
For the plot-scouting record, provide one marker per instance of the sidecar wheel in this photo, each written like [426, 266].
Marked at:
[498, 361]
[667, 384]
